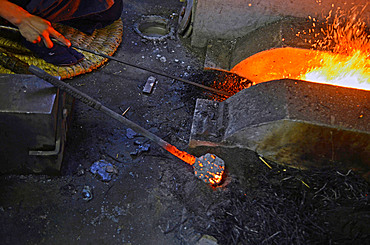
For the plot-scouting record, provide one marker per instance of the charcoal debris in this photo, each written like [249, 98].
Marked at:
[130, 133]
[104, 170]
[141, 148]
[87, 193]
[275, 206]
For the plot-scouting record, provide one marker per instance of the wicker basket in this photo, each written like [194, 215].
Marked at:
[105, 40]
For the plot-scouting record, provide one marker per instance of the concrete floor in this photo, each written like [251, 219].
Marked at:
[130, 209]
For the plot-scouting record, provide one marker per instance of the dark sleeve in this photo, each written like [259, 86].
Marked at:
[21, 3]
[60, 10]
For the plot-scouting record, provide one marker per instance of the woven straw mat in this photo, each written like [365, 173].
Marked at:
[105, 40]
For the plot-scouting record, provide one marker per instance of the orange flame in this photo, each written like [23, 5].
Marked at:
[347, 71]
[343, 58]
[348, 63]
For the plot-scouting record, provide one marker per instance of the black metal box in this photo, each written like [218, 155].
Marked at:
[33, 125]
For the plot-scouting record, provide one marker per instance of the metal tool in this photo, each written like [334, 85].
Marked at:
[132, 65]
[208, 168]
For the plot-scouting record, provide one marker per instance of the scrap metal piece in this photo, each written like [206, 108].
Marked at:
[149, 85]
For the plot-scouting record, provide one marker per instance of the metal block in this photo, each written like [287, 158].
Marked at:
[295, 123]
[32, 125]
[149, 85]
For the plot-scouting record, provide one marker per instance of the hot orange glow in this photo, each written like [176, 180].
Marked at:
[347, 71]
[348, 63]
[186, 157]
[210, 174]
[215, 179]
[343, 58]
[309, 65]
[276, 64]
[209, 168]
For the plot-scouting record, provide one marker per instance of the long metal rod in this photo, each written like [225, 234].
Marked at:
[95, 104]
[208, 168]
[155, 72]
[133, 65]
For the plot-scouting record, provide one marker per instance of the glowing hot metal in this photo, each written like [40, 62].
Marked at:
[208, 168]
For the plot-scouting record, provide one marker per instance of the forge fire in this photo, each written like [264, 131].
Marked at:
[339, 55]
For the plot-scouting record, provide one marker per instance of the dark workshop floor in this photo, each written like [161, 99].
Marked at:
[51, 210]
[154, 198]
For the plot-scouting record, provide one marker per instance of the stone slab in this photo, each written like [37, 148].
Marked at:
[294, 123]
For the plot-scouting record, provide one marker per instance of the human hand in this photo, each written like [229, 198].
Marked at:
[35, 29]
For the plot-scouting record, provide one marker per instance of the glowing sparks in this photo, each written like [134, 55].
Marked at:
[263, 160]
[348, 62]
[347, 71]
[340, 57]
[305, 184]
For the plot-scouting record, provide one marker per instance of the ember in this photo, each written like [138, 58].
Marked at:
[209, 168]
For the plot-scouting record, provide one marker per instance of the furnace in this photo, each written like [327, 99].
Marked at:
[284, 118]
